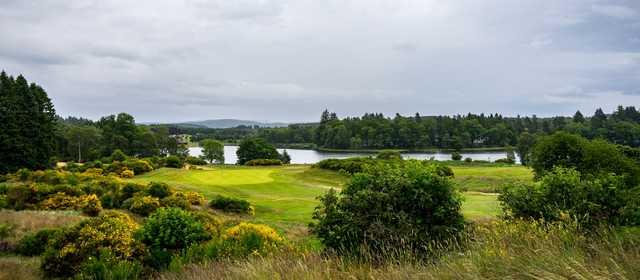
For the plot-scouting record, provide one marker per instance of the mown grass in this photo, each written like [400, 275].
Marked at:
[489, 178]
[287, 195]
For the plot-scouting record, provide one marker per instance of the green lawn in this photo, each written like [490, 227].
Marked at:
[287, 194]
[487, 178]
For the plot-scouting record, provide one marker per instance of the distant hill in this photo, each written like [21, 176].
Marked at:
[228, 123]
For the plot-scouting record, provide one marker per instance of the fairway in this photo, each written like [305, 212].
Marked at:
[287, 194]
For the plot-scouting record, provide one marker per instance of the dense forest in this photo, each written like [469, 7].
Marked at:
[375, 131]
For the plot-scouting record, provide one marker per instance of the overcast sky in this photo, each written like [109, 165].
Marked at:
[287, 60]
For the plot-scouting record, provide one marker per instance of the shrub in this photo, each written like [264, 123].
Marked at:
[72, 247]
[456, 156]
[90, 205]
[142, 205]
[159, 190]
[105, 266]
[590, 158]
[6, 230]
[505, 160]
[138, 166]
[564, 192]
[229, 204]
[126, 173]
[34, 244]
[94, 172]
[263, 162]
[349, 165]
[173, 162]
[389, 155]
[4, 203]
[195, 161]
[285, 157]
[20, 197]
[211, 224]
[178, 200]
[23, 174]
[129, 190]
[171, 229]
[255, 148]
[118, 155]
[468, 160]
[59, 201]
[195, 198]
[390, 206]
[251, 239]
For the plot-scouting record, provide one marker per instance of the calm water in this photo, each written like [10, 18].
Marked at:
[311, 156]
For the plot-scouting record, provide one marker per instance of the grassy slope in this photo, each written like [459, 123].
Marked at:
[288, 194]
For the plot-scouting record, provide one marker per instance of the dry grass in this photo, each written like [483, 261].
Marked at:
[19, 268]
[28, 221]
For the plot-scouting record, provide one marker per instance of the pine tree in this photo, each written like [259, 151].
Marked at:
[578, 117]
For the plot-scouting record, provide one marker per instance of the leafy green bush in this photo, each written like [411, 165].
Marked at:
[173, 162]
[34, 244]
[230, 204]
[118, 155]
[141, 205]
[263, 162]
[468, 160]
[105, 266]
[178, 200]
[389, 155]
[349, 165]
[22, 196]
[403, 206]
[565, 193]
[138, 166]
[195, 161]
[455, 155]
[72, 247]
[255, 148]
[6, 230]
[159, 190]
[129, 190]
[590, 158]
[505, 160]
[171, 229]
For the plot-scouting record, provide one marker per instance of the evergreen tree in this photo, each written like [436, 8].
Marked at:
[578, 117]
[27, 125]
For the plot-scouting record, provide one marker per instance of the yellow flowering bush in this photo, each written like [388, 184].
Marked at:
[126, 173]
[251, 239]
[142, 205]
[59, 201]
[195, 198]
[112, 231]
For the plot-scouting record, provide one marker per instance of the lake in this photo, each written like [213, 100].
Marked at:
[300, 156]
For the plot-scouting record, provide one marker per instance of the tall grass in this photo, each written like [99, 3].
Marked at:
[497, 250]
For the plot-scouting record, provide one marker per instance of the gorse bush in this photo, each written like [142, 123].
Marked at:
[34, 244]
[563, 193]
[349, 165]
[401, 206]
[251, 239]
[230, 204]
[174, 162]
[72, 247]
[141, 204]
[263, 162]
[169, 230]
[159, 190]
[178, 199]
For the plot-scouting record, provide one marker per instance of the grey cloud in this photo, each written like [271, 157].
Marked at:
[285, 60]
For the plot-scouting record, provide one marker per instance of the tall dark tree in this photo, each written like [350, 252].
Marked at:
[578, 117]
[27, 125]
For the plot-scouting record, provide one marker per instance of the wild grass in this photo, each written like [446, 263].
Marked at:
[496, 250]
[489, 178]
[19, 268]
[27, 221]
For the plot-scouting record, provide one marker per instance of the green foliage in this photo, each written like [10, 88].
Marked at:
[389, 154]
[230, 204]
[170, 229]
[173, 162]
[23, 196]
[255, 148]
[526, 141]
[263, 162]
[118, 155]
[349, 165]
[195, 161]
[390, 206]
[138, 166]
[590, 158]
[159, 190]
[285, 158]
[34, 244]
[6, 230]
[178, 200]
[142, 205]
[73, 247]
[455, 155]
[27, 125]
[106, 267]
[212, 150]
[564, 193]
